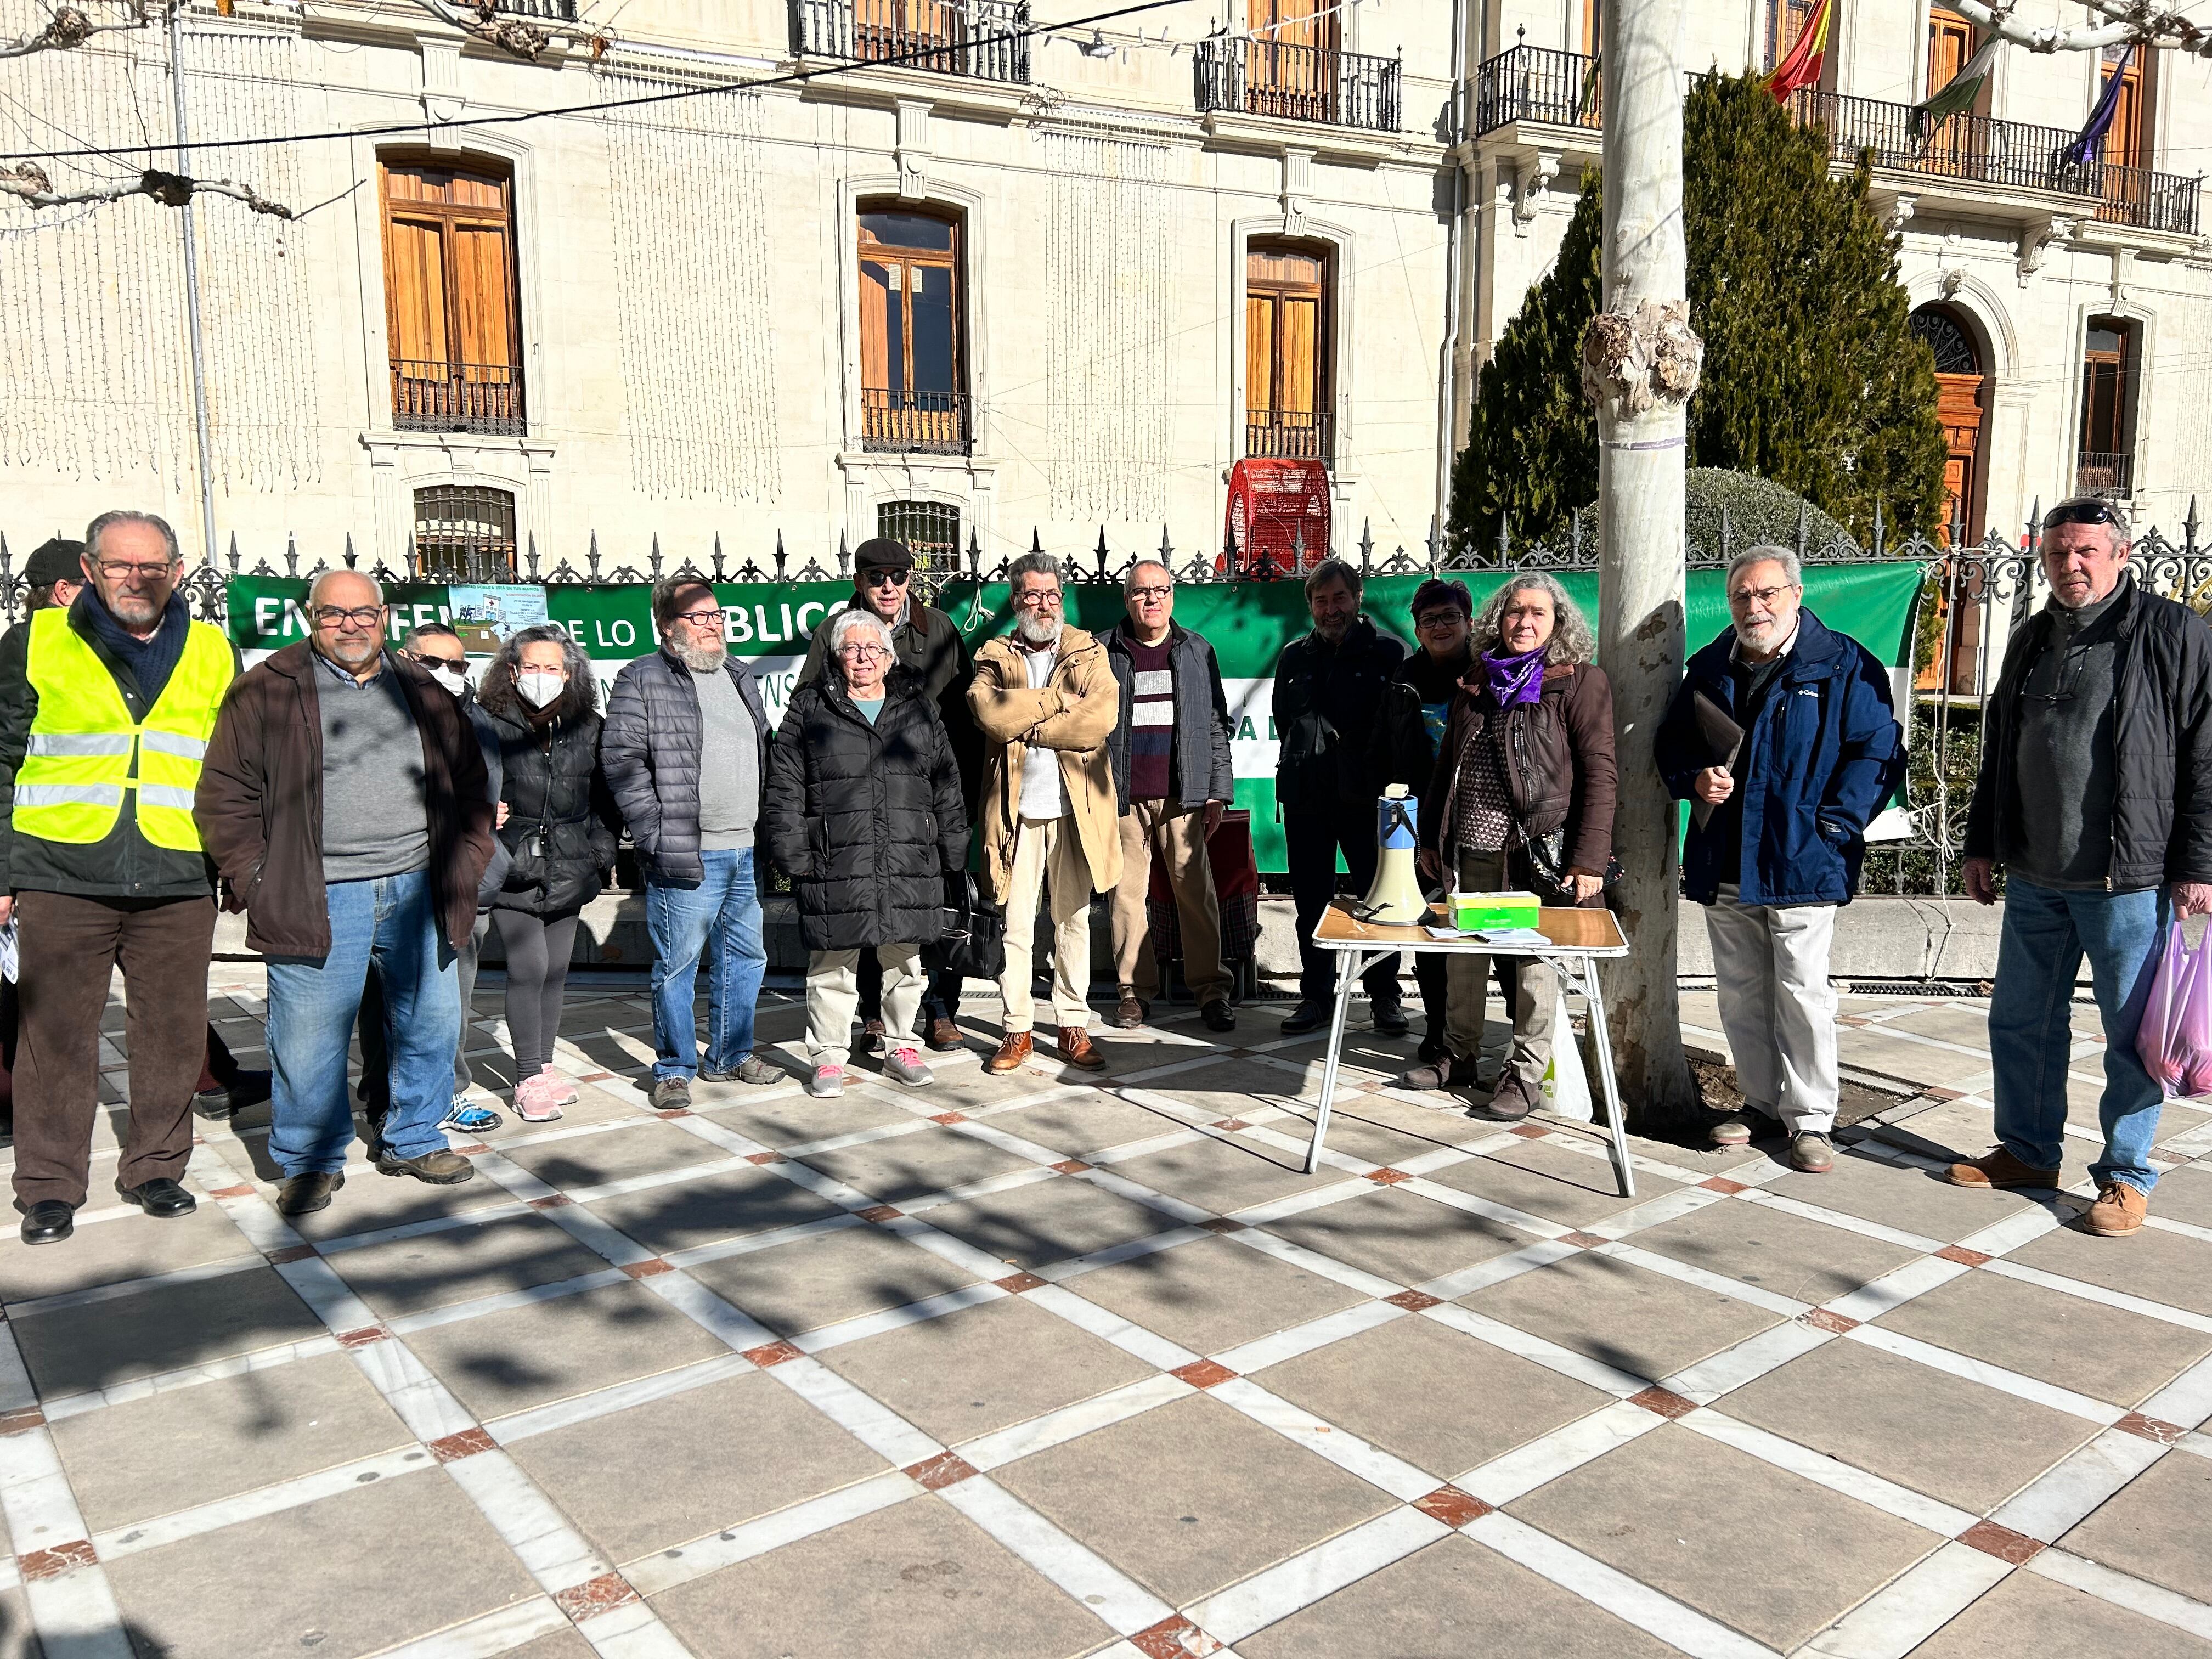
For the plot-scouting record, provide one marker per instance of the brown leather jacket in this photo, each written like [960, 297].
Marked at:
[1561, 766]
[259, 807]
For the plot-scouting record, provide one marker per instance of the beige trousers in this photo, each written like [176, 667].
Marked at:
[833, 997]
[1178, 833]
[1047, 851]
[1466, 993]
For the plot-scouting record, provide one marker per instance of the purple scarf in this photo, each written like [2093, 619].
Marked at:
[1515, 680]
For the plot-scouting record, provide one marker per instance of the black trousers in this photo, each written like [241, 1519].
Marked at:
[940, 1002]
[1310, 842]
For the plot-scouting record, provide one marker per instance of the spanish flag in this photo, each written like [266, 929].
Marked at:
[1801, 67]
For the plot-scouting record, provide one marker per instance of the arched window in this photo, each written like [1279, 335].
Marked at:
[465, 533]
[913, 327]
[1962, 403]
[1954, 349]
[1288, 333]
[452, 306]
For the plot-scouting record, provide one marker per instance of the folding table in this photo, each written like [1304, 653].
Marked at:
[1575, 942]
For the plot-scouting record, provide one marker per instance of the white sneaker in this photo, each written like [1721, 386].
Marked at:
[905, 1066]
[827, 1083]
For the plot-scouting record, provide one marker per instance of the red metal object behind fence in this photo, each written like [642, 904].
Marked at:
[1278, 511]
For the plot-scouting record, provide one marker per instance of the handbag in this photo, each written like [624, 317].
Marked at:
[974, 942]
[1543, 867]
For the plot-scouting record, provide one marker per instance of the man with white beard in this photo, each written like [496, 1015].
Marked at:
[685, 748]
[1046, 701]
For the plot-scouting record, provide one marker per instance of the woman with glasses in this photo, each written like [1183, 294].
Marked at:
[929, 647]
[1429, 681]
[1521, 797]
[557, 825]
[864, 814]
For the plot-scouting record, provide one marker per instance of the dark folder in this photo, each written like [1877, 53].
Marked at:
[1723, 736]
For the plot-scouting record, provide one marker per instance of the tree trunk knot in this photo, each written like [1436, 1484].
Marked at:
[1635, 360]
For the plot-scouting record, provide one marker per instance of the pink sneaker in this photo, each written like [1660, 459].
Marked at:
[559, 1087]
[827, 1083]
[535, 1101]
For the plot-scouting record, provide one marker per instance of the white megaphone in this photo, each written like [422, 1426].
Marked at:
[1395, 897]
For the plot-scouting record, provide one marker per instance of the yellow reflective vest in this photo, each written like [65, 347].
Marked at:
[85, 751]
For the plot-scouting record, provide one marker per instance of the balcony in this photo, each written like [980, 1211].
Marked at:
[980, 40]
[1535, 83]
[1538, 84]
[432, 396]
[1288, 434]
[914, 422]
[546, 11]
[1293, 83]
[2104, 472]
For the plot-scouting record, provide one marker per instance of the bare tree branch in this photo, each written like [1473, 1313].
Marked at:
[480, 21]
[72, 27]
[2136, 20]
[27, 182]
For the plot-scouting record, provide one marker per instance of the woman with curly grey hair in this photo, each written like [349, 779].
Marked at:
[1521, 797]
[560, 827]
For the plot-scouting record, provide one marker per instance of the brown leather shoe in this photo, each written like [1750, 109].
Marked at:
[944, 1037]
[2119, 1210]
[1999, 1169]
[1013, 1049]
[1076, 1049]
[1129, 1013]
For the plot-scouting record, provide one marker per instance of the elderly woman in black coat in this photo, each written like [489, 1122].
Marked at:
[864, 814]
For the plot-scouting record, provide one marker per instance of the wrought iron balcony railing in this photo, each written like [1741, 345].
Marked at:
[547, 11]
[1536, 83]
[914, 422]
[1298, 83]
[2104, 472]
[431, 397]
[982, 39]
[1290, 435]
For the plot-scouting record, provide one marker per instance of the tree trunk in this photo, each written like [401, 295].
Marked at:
[1639, 365]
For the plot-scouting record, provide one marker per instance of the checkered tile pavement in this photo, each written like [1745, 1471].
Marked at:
[1045, 1365]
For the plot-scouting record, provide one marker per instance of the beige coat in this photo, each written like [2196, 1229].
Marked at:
[1075, 711]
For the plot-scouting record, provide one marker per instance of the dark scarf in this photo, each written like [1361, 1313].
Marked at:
[150, 661]
[1515, 680]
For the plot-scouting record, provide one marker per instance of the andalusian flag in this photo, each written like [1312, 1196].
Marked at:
[1958, 97]
[1593, 77]
[1801, 67]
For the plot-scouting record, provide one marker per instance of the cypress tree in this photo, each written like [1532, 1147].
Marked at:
[1811, 376]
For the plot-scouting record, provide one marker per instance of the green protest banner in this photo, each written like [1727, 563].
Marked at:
[1247, 623]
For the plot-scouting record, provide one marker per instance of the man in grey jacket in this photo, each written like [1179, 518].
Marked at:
[684, 749]
[1171, 778]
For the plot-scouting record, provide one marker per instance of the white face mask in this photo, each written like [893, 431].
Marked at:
[540, 686]
[455, 676]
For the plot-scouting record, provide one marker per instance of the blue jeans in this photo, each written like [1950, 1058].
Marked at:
[392, 921]
[725, 907]
[2046, 933]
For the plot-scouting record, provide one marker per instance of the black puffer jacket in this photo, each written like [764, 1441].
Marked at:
[1343, 733]
[865, 819]
[649, 748]
[560, 819]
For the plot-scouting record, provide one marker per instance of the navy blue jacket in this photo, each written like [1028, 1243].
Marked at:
[1824, 756]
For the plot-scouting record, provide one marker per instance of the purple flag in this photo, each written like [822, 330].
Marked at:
[2091, 139]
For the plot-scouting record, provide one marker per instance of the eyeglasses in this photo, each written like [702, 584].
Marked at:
[861, 653]
[885, 578]
[2088, 510]
[1037, 598]
[1150, 595]
[144, 572]
[1439, 619]
[701, 618]
[362, 615]
[1765, 596]
[431, 661]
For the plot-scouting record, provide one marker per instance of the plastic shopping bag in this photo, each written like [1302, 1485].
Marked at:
[2157, 1039]
[2193, 1037]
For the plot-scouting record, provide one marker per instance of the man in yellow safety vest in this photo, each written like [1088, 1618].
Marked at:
[105, 708]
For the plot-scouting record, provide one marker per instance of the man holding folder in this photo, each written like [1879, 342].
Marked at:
[1782, 736]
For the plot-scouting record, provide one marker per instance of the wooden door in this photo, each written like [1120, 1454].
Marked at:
[1290, 60]
[452, 312]
[1286, 350]
[911, 325]
[1950, 47]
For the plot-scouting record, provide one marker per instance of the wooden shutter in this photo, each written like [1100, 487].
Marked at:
[451, 307]
[415, 289]
[1258, 355]
[1299, 357]
[1950, 44]
[483, 294]
[2123, 142]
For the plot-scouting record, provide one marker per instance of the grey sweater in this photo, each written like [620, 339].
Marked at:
[2064, 761]
[729, 765]
[374, 821]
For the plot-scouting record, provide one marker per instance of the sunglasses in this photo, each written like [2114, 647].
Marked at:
[2088, 512]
